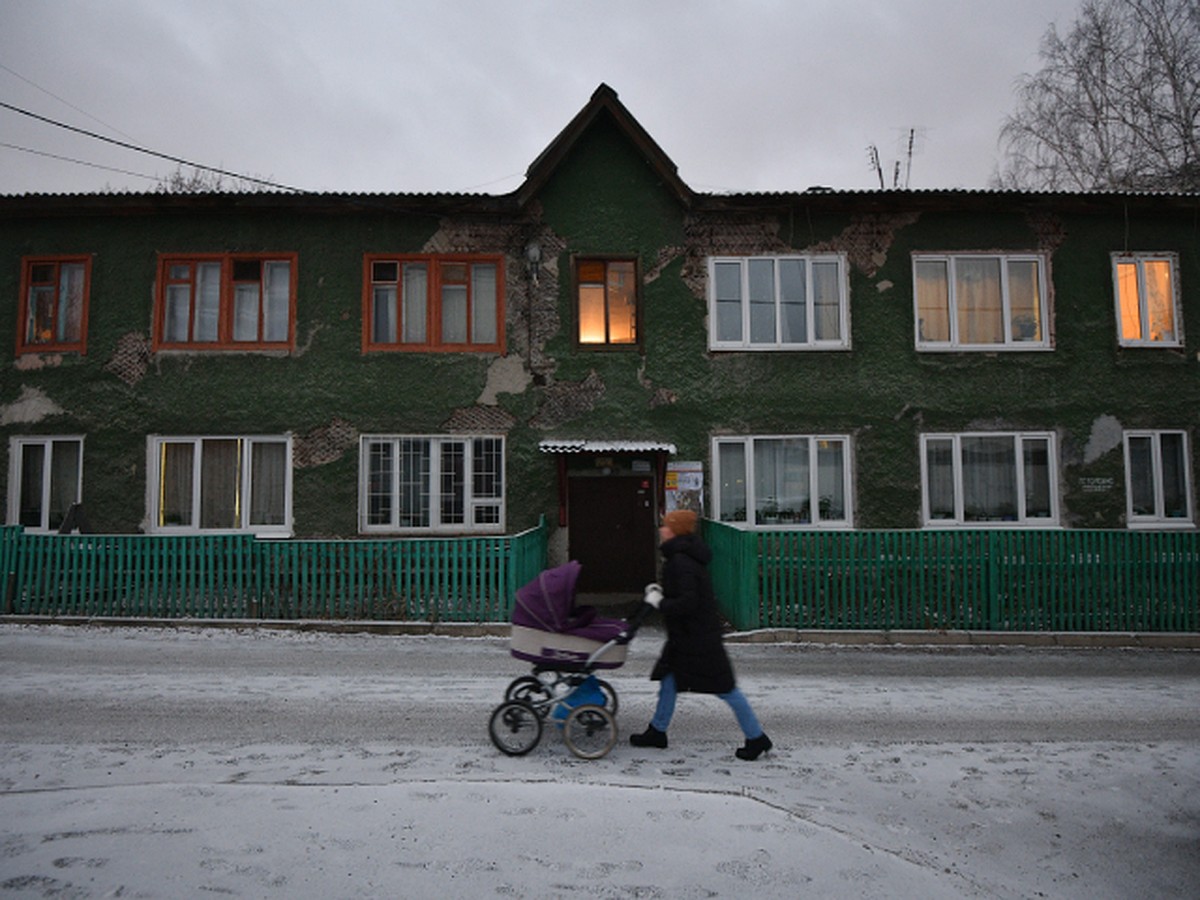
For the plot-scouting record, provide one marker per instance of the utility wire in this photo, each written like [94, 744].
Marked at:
[128, 146]
[82, 112]
[81, 162]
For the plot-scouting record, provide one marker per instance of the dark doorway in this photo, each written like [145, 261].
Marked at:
[612, 532]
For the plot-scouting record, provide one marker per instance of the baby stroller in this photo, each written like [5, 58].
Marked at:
[567, 646]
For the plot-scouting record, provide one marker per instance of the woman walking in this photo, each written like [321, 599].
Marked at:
[693, 658]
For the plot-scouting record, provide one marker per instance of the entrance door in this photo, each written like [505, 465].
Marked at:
[612, 532]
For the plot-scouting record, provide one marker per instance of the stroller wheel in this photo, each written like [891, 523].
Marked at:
[515, 727]
[532, 690]
[590, 731]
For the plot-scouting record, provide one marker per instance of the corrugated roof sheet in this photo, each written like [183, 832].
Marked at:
[566, 445]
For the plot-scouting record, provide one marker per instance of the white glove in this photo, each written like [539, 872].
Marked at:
[653, 595]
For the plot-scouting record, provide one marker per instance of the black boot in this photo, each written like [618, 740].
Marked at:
[754, 747]
[651, 737]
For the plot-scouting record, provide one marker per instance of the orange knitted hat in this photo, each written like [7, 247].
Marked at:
[680, 521]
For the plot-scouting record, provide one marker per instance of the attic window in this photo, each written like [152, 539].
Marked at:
[606, 302]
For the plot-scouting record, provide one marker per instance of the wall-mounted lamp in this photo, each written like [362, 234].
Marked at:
[533, 260]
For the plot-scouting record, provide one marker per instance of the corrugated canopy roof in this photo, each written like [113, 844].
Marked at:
[567, 445]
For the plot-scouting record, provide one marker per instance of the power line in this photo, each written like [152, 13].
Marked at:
[128, 146]
[82, 112]
[81, 162]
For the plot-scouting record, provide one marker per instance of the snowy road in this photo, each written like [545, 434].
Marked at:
[171, 763]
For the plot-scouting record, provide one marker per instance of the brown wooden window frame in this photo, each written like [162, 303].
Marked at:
[426, 330]
[231, 274]
[578, 263]
[34, 276]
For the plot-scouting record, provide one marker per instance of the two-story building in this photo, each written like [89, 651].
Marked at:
[598, 343]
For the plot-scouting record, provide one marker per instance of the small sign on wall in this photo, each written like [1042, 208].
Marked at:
[1096, 485]
[685, 486]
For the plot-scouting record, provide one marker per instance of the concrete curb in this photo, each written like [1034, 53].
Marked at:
[877, 638]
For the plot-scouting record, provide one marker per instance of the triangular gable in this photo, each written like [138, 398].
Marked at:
[604, 101]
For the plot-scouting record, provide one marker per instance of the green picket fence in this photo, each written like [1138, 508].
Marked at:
[987, 580]
[237, 576]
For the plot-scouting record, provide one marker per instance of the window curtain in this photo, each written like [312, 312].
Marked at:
[415, 303]
[268, 482]
[1024, 300]
[175, 483]
[781, 480]
[989, 472]
[70, 303]
[621, 303]
[933, 301]
[277, 295]
[383, 314]
[483, 304]
[827, 321]
[220, 483]
[1160, 300]
[939, 485]
[831, 481]
[245, 311]
[978, 301]
[731, 460]
[207, 302]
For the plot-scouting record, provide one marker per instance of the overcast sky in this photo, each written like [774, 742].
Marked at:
[462, 95]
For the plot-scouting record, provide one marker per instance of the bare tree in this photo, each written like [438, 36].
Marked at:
[203, 179]
[1115, 106]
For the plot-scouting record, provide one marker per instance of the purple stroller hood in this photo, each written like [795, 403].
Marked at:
[546, 602]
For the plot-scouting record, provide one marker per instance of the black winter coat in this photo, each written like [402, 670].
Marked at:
[694, 651]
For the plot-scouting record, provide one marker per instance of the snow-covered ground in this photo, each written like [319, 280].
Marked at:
[194, 763]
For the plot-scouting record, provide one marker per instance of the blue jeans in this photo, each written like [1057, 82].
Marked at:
[668, 694]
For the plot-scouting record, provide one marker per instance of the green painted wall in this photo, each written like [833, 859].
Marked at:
[605, 199]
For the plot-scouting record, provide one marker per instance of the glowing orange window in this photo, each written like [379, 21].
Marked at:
[607, 302]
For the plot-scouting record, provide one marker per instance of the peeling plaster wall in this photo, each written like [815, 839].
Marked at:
[604, 200]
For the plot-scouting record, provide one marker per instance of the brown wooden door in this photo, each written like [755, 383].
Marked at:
[612, 532]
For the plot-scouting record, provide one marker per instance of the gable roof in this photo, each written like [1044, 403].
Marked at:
[603, 102]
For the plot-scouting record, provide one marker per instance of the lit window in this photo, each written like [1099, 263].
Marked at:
[1157, 479]
[974, 301]
[431, 483]
[797, 481]
[989, 479]
[216, 302]
[607, 305]
[230, 484]
[779, 302]
[45, 480]
[433, 303]
[1147, 301]
[53, 312]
